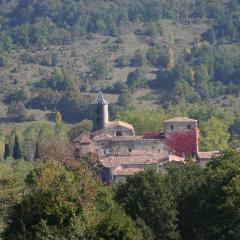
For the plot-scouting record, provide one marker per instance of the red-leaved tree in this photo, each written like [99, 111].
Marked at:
[182, 143]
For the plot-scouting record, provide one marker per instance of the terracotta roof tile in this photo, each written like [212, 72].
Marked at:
[119, 123]
[180, 120]
[207, 155]
[106, 137]
[113, 124]
[85, 140]
[85, 135]
[128, 160]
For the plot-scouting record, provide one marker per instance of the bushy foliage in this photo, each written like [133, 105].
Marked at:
[206, 199]
[226, 27]
[17, 112]
[207, 72]
[67, 201]
[37, 24]
[214, 122]
[136, 79]
[63, 200]
[146, 196]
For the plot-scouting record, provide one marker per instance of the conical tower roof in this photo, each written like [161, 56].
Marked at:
[100, 100]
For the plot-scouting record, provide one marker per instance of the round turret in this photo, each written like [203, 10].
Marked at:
[100, 106]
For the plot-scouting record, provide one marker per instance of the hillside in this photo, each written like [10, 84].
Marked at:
[55, 57]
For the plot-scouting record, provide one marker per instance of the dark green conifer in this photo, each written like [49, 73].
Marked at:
[6, 151]
[17, 153]
[37, 154]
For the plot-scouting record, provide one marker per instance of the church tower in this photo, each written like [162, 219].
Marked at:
[100, 112]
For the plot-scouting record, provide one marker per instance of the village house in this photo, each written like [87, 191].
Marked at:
[122, 153]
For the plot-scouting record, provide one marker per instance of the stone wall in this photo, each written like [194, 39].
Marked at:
[149, 145]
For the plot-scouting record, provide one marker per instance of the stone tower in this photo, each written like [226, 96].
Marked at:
[183, 125]
[100, 112]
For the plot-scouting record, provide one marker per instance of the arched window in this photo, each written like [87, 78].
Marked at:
[119, 133]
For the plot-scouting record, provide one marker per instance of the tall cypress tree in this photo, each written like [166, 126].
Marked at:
[17, 153]
[37, 154]
[6, 151]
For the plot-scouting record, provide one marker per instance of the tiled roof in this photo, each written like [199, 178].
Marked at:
[119, 123]
[207, 155]
[174, 158]
[113, 124]
[83, 138]
[102, 137]
[128, 160]
[180, 120]
[106, 137]
[100, 100]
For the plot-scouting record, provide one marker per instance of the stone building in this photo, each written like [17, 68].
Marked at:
[122, 153]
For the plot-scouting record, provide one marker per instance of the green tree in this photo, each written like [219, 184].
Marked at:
[136, 79]
[37, 154]
[214, 134]
[146, 196]
[115, 225]
[65, 200]
[125, 99]
[17, 112]
[17, 151]
[98, 69]
[7, 151]
[212, 209]
[11, 187]
[139, 59]
[79, 128]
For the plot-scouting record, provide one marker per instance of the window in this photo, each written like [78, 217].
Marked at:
[172, 127]
[189, 126]
[118, 133]
[129, 150]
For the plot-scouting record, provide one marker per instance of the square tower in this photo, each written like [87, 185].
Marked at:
[184, 125]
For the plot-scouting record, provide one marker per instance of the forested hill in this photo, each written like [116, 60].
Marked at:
[40, 22]
[56, 54]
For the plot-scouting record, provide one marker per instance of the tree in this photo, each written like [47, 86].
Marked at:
[125, 99]
[122, 61]
[37, 154]
[212, 209]
[183, 180]
[77, 129]
[136, 79]
[170, 53]
[17, 151]
[115, 225]
[58, 117]
[7, 151]
[182, 143]
[98, 69]
[65, 201]
[17, 112]
[12, 178]
[146, 196]
[213, 134]
[139, 59]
